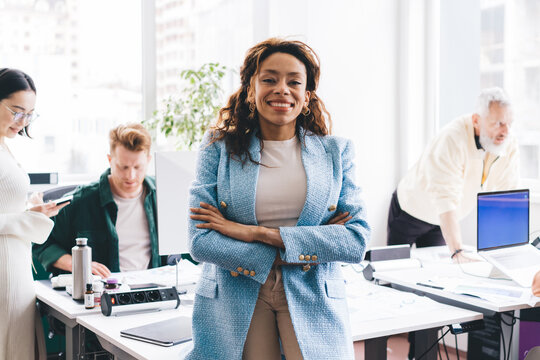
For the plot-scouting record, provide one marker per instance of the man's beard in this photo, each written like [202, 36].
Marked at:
[489, 145]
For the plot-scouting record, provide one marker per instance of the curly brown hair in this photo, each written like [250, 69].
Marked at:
[235, 125]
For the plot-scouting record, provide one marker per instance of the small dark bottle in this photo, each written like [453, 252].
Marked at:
[89, 297]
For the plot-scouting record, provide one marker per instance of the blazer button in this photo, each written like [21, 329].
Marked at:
[234, 274]
[223, 204]
[239, 269]
[314, 258]
[252, 273]
[246, 272]
[307, 257]
[332, 208]
[306, 267]
[301, 257]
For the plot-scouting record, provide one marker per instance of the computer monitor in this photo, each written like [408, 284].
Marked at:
[503, 219]
[175, 172]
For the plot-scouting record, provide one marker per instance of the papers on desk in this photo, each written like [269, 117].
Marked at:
[495, 293]
[369, 302]
[440, 254]
[498, 294]
[188, 274]
[534, 301]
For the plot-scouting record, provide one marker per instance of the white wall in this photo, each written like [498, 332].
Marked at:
[534, 217]
[357, 45]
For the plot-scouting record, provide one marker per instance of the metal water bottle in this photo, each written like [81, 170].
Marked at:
[81, 260]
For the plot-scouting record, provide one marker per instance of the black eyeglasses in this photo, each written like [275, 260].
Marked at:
[19, 117]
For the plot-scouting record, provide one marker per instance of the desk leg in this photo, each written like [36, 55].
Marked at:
[513, 347]
[375, 348]
[515, 340]
[423, 340]
[116, 351]
[75, 342]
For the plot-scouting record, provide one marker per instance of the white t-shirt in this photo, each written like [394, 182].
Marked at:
[133, 235]
[282, 184]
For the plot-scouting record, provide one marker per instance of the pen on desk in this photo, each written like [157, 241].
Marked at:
[430, 286]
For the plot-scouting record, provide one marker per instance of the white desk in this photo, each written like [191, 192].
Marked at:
[440, 273]
[61, 306]
[108, 330]
[376, 313]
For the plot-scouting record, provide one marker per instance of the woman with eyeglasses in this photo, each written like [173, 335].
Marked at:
[19, 228]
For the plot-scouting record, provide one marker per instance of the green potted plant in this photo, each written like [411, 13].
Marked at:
[187, 116]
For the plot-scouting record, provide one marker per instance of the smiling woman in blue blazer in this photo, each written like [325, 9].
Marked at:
[274, 210]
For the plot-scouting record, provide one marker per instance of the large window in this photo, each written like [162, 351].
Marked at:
[85, 58]
[190, 33]
[98, 63]
[510, 58]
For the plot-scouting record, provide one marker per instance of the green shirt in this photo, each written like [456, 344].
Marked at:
[92, 214]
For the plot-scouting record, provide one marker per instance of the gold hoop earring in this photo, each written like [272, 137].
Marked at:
[252, 109]
[306, 111]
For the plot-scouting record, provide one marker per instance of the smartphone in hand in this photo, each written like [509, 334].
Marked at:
[63, 200]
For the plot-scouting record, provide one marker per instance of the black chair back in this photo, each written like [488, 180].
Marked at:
[57, 192]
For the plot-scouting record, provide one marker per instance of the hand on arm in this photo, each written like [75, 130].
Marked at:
[452, 235]
[273, 237]
[64, 262]
[340, 219]
[214, 220]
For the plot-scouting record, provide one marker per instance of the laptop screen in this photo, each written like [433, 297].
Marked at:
[503, 219]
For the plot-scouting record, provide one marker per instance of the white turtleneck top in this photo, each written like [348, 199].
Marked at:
[18, 229]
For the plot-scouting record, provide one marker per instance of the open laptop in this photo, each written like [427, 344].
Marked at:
[503, 234]
[164, 333]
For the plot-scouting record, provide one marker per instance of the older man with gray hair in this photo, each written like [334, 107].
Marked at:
[472, 153]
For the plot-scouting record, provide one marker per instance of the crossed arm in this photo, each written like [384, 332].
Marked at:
[214, 220]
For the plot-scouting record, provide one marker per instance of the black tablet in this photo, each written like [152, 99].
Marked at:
[164, 333]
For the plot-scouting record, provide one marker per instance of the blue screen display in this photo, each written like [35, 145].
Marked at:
[503, 219]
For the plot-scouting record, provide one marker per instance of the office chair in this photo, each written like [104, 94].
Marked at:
[57, 192]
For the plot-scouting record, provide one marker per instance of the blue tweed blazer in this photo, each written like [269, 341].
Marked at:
[225, 300]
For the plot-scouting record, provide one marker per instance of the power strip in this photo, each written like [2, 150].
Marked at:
[139, 300]
[467, 326]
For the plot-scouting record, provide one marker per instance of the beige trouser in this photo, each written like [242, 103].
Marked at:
[271, 322]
